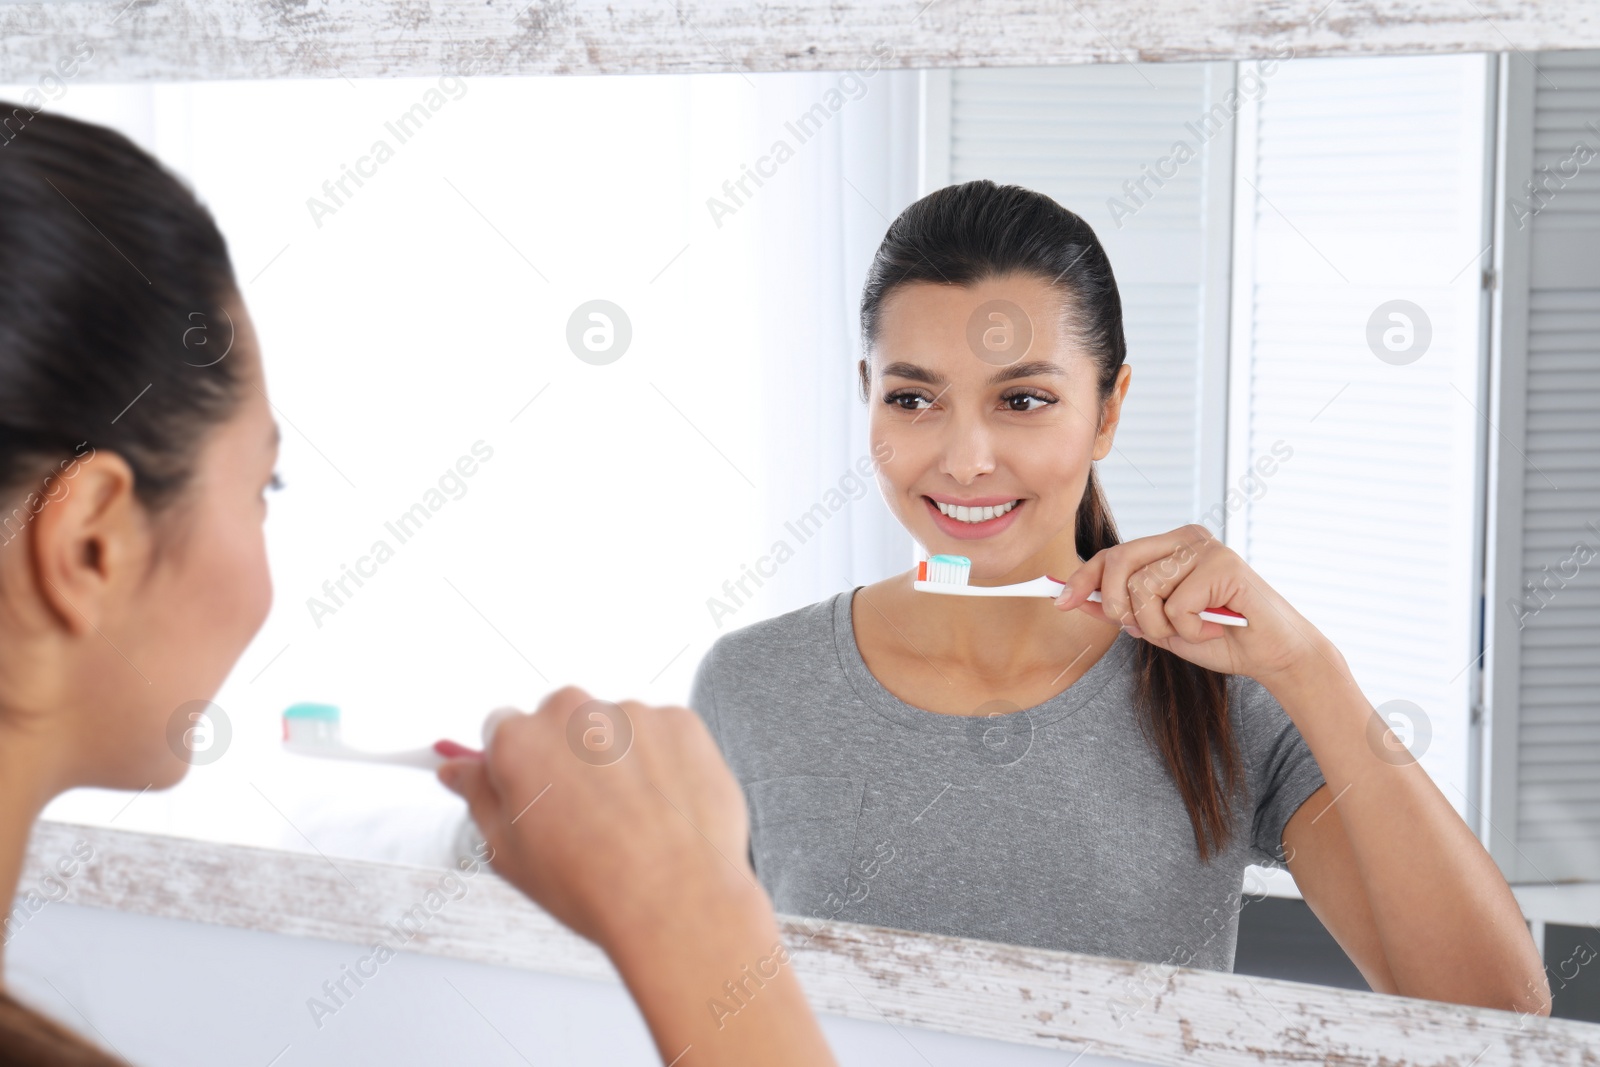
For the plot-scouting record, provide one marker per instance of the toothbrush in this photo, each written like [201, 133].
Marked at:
[313, 730]
[949, 574]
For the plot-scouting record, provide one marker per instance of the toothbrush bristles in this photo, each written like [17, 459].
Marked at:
[949, 570]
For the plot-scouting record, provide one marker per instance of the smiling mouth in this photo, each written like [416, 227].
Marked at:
[972, 516]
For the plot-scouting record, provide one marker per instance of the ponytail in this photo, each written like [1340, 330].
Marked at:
[1183, 707]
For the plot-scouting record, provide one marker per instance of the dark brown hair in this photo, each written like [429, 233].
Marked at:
[28, 1039]
[114, 283]
[963, 234]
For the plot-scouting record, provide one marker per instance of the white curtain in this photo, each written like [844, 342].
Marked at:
[821, 220]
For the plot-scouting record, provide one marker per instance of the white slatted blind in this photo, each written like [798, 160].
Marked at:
[1361, 181]
[1549, 802]
[1078, 134]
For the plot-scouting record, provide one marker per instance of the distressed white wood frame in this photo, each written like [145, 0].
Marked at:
[1217, 324]
[1057, 1000]
[1031, 996]
[1508, 354]
[1241, 318]
[190, 40]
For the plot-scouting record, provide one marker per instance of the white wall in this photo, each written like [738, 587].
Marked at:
[429, 312]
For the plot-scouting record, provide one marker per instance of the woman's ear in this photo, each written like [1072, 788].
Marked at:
[86, 542]
[1111, 413]
[866, 379]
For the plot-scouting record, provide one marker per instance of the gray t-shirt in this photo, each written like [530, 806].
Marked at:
[1056, 826]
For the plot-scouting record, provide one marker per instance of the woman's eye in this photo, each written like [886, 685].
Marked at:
[1026, 401]
[274, 483]
[908, 401]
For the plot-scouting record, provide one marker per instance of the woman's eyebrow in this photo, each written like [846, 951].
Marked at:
[913, 372]
[1036, 369]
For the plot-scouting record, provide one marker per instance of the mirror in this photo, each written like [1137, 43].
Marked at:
[566, 372]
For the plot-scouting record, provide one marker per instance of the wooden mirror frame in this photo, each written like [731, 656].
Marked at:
[1010, 993]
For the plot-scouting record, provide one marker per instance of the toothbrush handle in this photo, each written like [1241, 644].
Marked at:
[1038, 587]
[1222, 616]
[424, 758]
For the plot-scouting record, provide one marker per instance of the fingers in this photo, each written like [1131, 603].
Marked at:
[1150, 586]
[492, 721]
[699, 766]
[1183, 608]
[1146, 599]
[1137, 578]
[667, 748]
[561, 702]
[516, 728]
[469, 779]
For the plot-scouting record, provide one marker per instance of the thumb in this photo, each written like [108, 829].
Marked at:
[1083, 581]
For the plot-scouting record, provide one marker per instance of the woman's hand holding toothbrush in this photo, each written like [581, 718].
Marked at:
[1155, 588]
[645, 855]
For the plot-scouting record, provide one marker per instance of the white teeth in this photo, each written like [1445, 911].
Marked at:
[962, 513]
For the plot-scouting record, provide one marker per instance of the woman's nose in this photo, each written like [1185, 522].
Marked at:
[968, 451]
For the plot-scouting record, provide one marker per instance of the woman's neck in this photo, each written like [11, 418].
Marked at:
[24, 791]
[983, 637]
[999, 636]
[962, 655]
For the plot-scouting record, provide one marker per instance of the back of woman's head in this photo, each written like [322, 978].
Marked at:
[965, 234]
[106, 260]
[114, 293]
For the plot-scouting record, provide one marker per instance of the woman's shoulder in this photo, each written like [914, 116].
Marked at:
[803, 632]
[1268, 738]
[766, 661]
[1251, 703]
[1244, 689]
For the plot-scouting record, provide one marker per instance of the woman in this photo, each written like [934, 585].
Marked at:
[136, 446]
[1081, 776]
